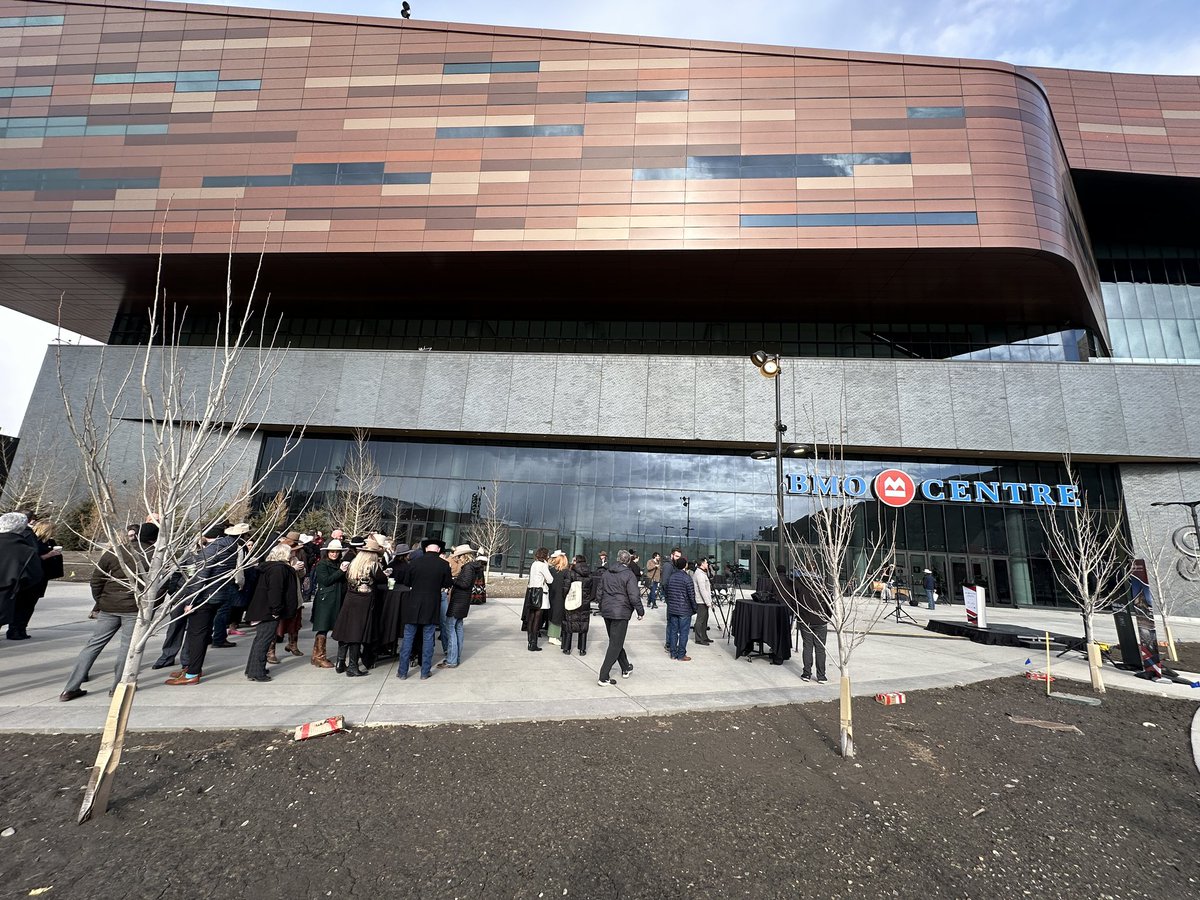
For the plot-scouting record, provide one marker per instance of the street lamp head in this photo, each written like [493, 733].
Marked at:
[770, 368]
[758, 357]
[796, 450]
[761, 454]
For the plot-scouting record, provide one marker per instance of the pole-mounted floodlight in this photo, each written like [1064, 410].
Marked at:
[768, 367]
[405, 11]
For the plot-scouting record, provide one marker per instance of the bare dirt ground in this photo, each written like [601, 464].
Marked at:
[949, 797]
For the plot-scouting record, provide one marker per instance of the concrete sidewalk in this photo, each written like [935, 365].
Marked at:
[499, 679]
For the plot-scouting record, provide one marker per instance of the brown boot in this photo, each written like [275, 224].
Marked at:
[318, 655]
[291, 646]
[271, 657]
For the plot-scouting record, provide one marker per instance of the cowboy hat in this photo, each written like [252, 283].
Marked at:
[557, 553]
[238, 529]
[305, 538]
[357, 541]
[462, 549]
[335, 544]
[402, 549]
[372, 546]
[292, 537]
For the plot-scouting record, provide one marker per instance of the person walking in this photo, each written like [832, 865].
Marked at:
[813, 613]
[577, 619]
[560, 580]
[20, 565]
[929, 583]
[703, 583]
[276, 598]
[681, 606]
[329, 576]
[427, 576]
[463, 569]
[619, 599]
[352, 629]
[214, 577]
[537, 594]
[117, 607]
[654, 572]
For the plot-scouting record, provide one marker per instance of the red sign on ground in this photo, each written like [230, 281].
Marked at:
[894, 487]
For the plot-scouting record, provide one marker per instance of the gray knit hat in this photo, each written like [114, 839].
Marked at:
[13, 522]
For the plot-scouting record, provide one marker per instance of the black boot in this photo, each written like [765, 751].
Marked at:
[566, 643]
[583, 643]
[535, 620]
[352, 669]
[340, 666]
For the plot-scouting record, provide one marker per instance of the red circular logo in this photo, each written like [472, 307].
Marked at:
[894, 488]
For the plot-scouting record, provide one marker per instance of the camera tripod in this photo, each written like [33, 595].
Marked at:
[900, 613]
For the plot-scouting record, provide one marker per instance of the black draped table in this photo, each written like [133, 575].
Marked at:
[765, 623]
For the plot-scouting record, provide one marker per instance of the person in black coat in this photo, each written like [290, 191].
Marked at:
[276, 598]
[576, 621]
[427, 576]
[365, 583]
[619, 599]
[20, 564]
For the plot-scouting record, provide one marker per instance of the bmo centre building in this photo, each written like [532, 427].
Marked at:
[537, 262]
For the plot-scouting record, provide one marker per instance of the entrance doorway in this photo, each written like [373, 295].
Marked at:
[755, 560]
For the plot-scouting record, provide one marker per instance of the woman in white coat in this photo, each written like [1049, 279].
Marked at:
[537, 595]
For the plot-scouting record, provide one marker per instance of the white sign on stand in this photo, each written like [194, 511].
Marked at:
[975, 600]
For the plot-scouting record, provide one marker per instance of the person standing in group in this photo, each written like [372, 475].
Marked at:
[577, 618]
[228, 549]
[210, 588]
[929, 583]
[654, 572]
[427, 576]
[619, 599]
[537, 594]
[276, 598]
[560, 581]
[288, 628]
[20, 565]
[681, 606]
[39, 533]
[117, 606]
[703, 583]
[813, 611]
[603, 560]
[352, 628]
[668, 569]
[329, 576]
[463, 569]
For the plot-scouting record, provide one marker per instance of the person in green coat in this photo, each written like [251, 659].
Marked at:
[329, 575]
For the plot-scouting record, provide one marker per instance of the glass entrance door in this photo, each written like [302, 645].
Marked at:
[959, 576]
[1001, 586]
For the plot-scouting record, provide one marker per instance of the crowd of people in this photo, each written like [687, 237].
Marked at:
[376, 600]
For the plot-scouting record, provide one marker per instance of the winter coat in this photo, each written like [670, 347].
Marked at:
[540, 576]
[681, 594]
[109, 591]
[327, 600]
[357, 615]
[215, 565]
[276, 594]
[20, 571]
[428, 576]
[703, 587]
[654, 570]
[813, 610]
[619, 595]
[460, 590]
[577, 621]
[560, 582]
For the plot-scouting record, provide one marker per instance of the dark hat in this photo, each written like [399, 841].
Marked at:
[358, 542]
[401, 550]
[147, 533]
[216, 531]
[680, 562]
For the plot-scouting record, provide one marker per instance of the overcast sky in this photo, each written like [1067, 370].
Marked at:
[1161, 36]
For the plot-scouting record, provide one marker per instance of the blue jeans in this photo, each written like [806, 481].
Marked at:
[677, 634]
[410, 634]
[454, 628]
[443, 624]
[654, 586]
[929, 597]
[229, 596]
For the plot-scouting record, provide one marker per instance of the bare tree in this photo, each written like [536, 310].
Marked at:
[488, 532]
[839, 555]
[1091, 562]
[43, 482]
[357, 507]
[192, 436]
[1161, 557]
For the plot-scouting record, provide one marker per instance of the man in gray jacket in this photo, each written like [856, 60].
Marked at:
[113, 595]
[619, 599]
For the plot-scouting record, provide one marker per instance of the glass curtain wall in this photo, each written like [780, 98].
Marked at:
[587, 500]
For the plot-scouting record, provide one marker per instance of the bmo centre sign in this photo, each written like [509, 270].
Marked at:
[895, 487]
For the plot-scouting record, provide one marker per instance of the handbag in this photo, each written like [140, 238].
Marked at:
[575, 595]
[533, 597]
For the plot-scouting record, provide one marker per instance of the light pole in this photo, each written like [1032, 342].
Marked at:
[687, 529]
[768, 365]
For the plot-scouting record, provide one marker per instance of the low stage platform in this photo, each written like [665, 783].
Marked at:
[1005, 635]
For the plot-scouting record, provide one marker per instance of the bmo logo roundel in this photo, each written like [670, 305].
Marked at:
[894, 488]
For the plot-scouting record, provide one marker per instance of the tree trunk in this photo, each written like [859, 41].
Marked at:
[1093, 655]
[847, 721]
[112, 741]
[1172, 653]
